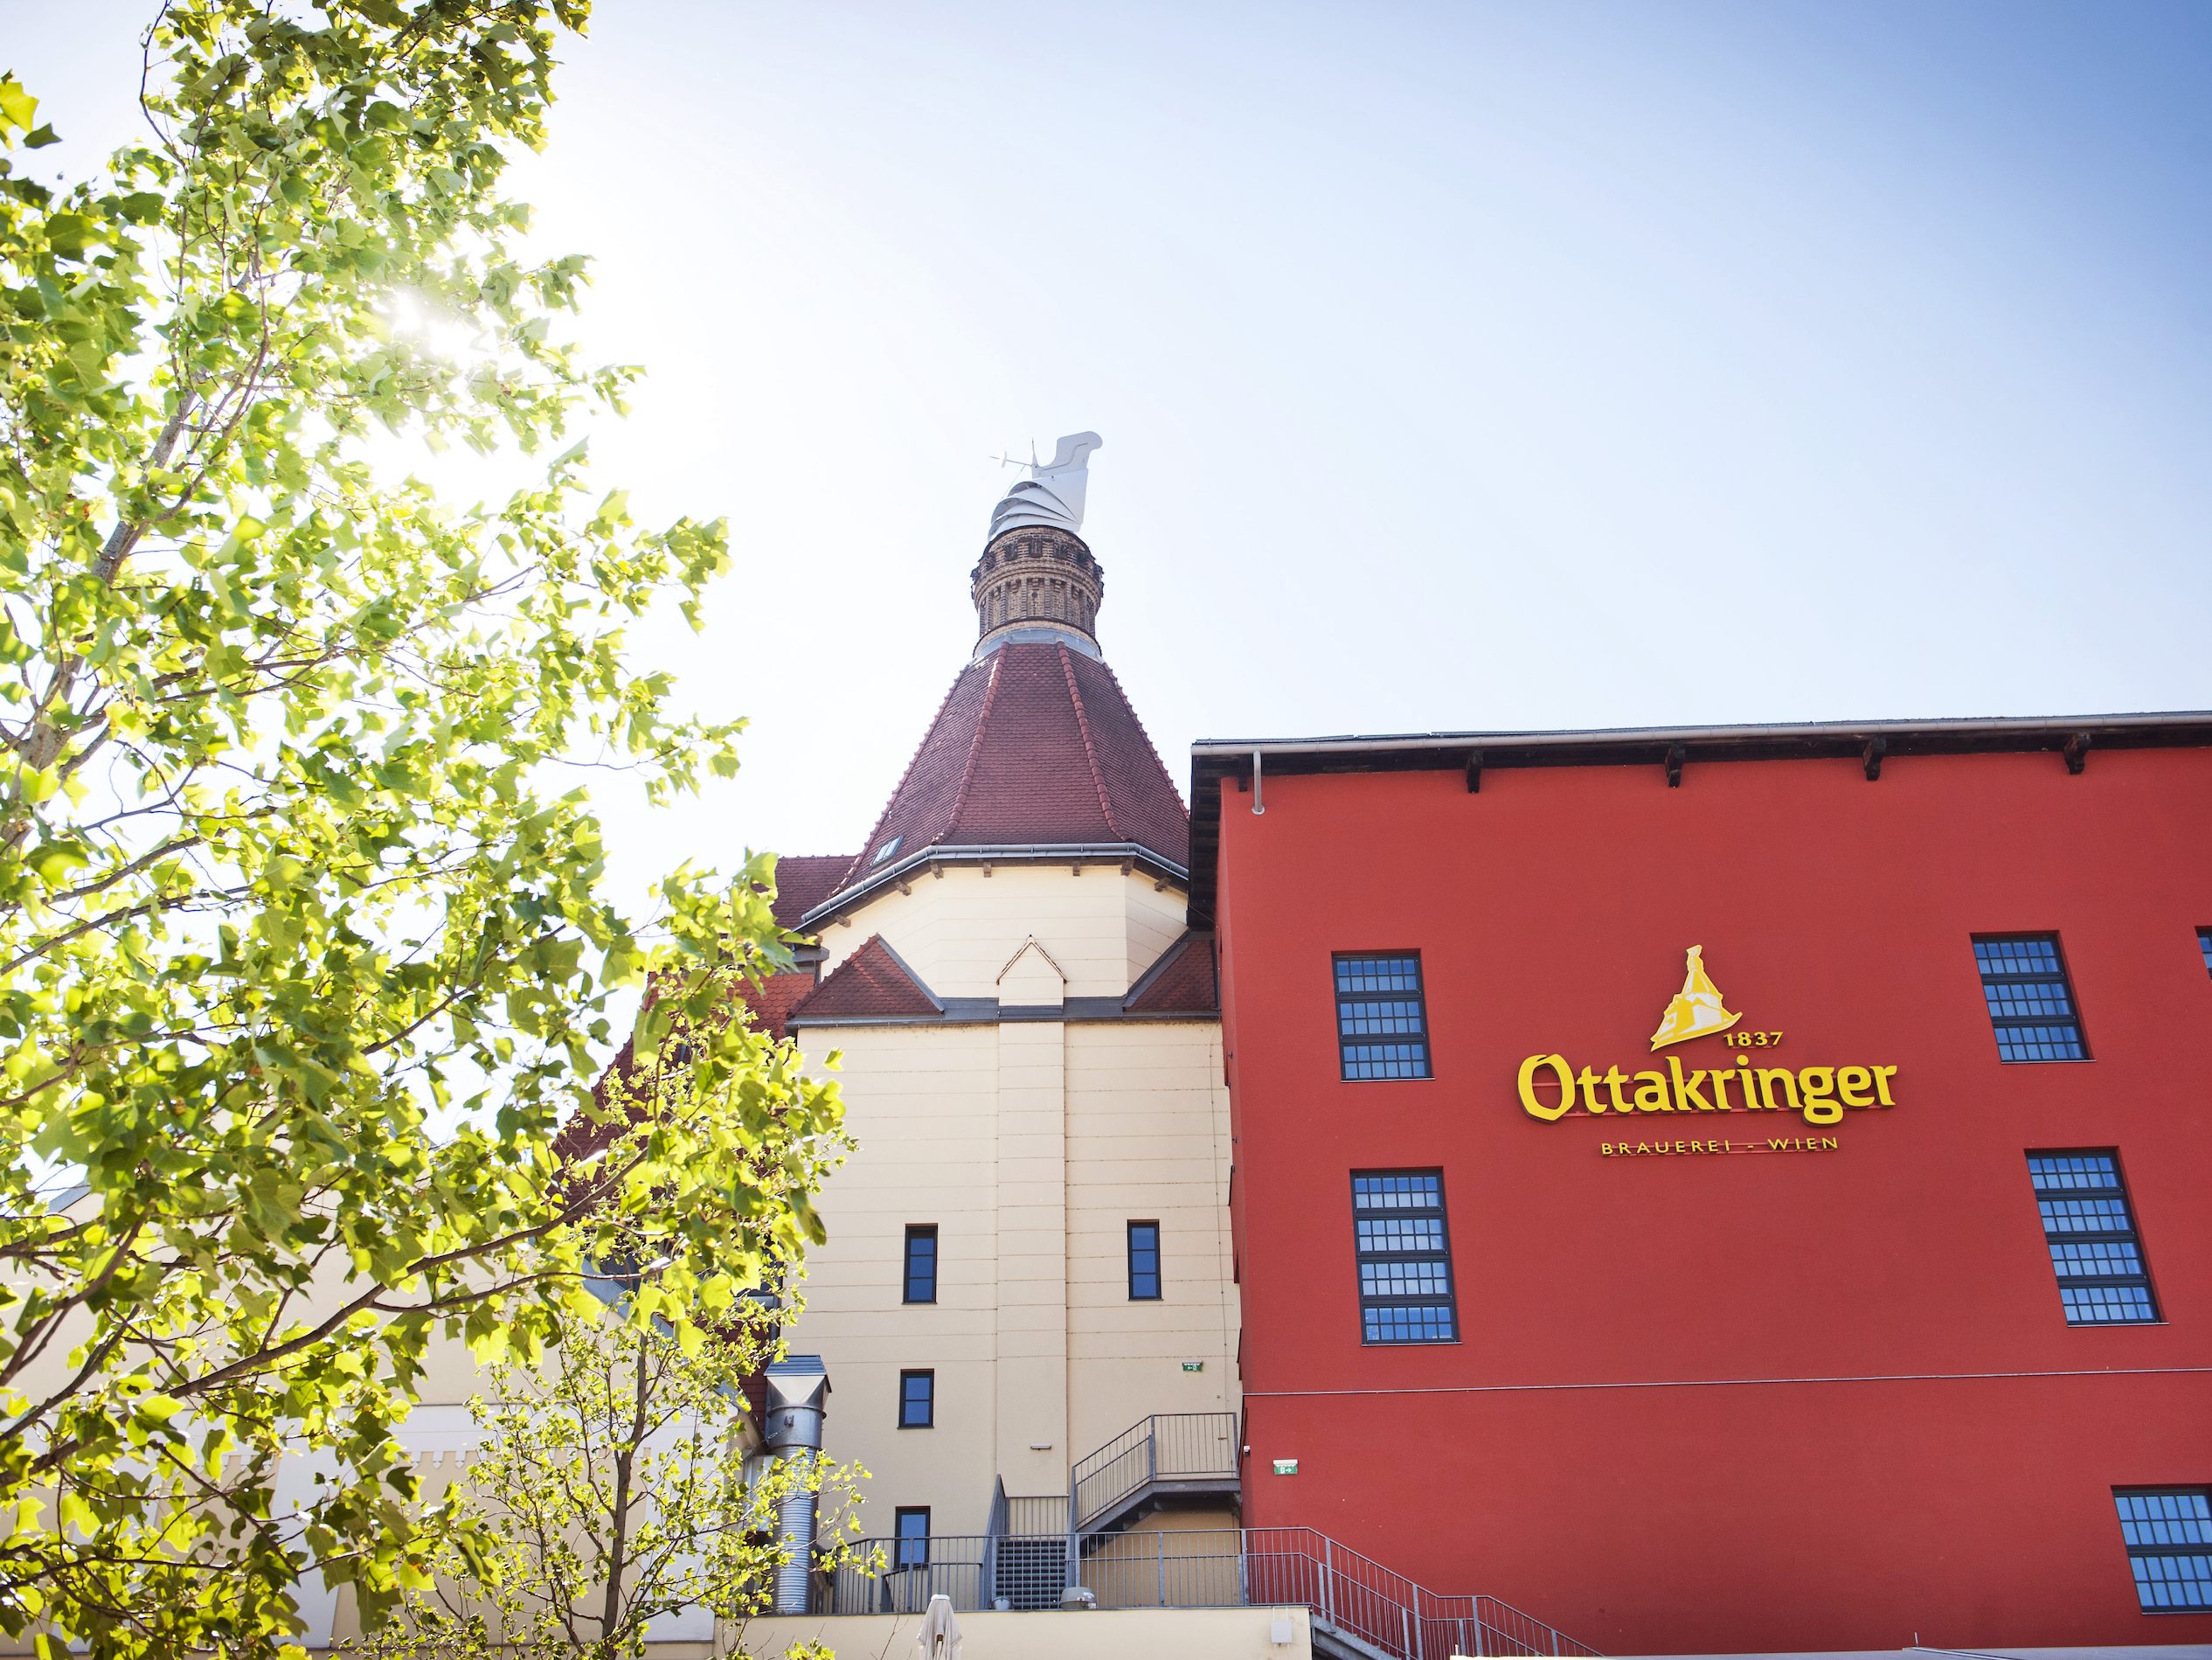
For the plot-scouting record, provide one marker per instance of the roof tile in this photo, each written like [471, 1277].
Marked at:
[1182, 981]
[1034, 744]
[804, 880]
[871, 984]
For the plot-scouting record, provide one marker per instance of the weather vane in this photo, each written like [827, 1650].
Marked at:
[1015, 460]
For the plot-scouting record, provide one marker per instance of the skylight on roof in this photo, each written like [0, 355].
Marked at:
[889, 846]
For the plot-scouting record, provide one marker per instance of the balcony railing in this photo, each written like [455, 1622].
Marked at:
[1351, 1596]
[1169, 1448]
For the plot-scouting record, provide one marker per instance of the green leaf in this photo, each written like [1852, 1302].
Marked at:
[53, 861]
[17, 107]
[299, 919]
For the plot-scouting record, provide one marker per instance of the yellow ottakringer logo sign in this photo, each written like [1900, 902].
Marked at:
[1819, 1094]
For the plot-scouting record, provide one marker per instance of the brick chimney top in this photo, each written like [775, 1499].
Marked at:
[1037, 579]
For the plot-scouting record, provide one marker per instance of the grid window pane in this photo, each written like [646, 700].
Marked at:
[2089, 1229]
[2031, 1004]
[1404, 1257]
[1382, 1021]
[913, 1536]
[2169, 1545]
[921, 1262]
[1144, 1260]
[917, 1400]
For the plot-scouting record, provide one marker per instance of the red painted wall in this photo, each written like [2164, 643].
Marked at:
[1781, 1402]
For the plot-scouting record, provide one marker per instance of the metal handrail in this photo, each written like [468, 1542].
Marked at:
[1350, 1595]
[1167, 1446]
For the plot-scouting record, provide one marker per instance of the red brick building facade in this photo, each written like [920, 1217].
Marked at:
[1818, 1324]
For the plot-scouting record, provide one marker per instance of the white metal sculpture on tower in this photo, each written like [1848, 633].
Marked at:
[1052, 495]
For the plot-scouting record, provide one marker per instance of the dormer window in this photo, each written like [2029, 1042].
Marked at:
[889, 846]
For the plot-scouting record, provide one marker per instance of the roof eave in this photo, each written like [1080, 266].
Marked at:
[1215, 760]
[2059, 727]
[1135, 853]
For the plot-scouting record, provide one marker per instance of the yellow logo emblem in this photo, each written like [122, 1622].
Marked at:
[1696, 1011]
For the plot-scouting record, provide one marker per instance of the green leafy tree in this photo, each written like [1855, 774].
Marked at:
[612, 1490]
[304, 951]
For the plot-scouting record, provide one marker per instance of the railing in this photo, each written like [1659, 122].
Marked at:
[1024, 1556]
[1168, 1447]
[1357, 1596]
[1351, 1596]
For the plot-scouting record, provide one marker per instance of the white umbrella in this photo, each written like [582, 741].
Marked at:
[940, 1637]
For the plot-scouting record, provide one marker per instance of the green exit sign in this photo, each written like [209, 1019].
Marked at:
[1287, 1467]
[1194, 1366]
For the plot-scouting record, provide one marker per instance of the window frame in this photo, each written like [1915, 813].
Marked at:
[917, 1232]
[2132, 1236]
[929, 1397]
[2204, 948]
[901, 1539]
[1346, 1043]
[1158, 1294]
[1362, 1257]
[2000, 1024]
[2138, 1552]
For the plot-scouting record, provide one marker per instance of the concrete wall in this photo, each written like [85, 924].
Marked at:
[1186, 1634]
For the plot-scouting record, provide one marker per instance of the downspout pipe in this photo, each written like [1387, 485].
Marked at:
[798, 1401]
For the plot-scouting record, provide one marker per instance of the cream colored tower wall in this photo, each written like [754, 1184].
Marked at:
[1030, 1145]
[922, 1102]
[1147, 1141]
[957, 930]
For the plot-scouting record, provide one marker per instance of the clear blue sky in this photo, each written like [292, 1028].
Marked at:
[1459, 366]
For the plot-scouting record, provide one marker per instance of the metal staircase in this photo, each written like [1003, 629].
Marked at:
[1167, 1458]
[1362, 1610]
[1037, 1552]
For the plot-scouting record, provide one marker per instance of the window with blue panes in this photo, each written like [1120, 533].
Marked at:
[2169, 1532]
[1404, 1257]
[2204, 945]
[917, 1400]
[2090, 1229]
[921, 1262]
[912, 1522]
[2031, 1003]
[1382, 1021]
[1144, 1261]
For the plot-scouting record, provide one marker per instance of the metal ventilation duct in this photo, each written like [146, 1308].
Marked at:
[798, 1398]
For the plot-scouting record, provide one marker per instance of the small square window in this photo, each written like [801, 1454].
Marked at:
[917, 1400]
[921, 1262]
[2169, 1532]
[2091, 1230]
[885, 850]
[1382, 1018]
[2031, 1002]
[1144, 1261]
[912, 1523]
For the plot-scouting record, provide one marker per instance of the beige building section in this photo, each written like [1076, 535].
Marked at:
[1030, 1145]
[958, 926]
[1150, 1633]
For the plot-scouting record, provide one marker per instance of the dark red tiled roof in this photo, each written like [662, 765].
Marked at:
[774, 999]
[1182, 981]
[770, 1005]
[1034, 744]
[804, 880]
[586, 1134]
[871, 984]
